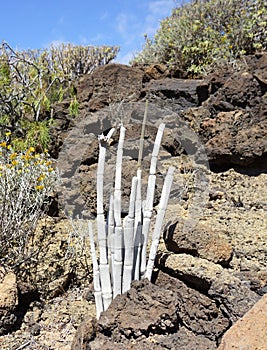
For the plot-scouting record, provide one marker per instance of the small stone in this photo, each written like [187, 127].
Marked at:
[35, 330]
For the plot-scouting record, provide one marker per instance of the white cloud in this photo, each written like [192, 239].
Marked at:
[126, 23]
[131, 26]
[157, 10]
[55, 43]
[125, 58]
[161, 8]
[104, 16]
[122, 23]
[128, 26]
[95, 39]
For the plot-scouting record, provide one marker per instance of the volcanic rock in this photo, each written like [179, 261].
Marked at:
[110, 84]
[249, 332]
[201, 241]
[8, 300]
[234, 297]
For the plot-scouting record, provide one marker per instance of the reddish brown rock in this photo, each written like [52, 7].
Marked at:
[145, 317]
[233, 126]
[157, 71]
[197, 312]
[110, 84]
[250, 332]
[86, 332]
[233, 296]
[8, 300]
[234, 139]
[184, 93]
[202, 241]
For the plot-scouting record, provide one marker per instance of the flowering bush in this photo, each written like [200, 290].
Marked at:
[26, 180]
[202, 32]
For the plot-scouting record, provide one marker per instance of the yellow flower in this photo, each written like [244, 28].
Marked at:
[30, 150]
[27, 156]
[8, 133]
[13, 155]
[3, 144]
[41, 178]
[50, 169]
[39, 188]
[14, 162]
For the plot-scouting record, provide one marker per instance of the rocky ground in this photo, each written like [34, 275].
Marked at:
[212, 263]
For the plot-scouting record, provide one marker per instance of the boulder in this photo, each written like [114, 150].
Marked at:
[227, 109]
[197, 312]
[144, 309]
[8, 300]
[157, 71]
[249, 332]
[143, 318]
[181, 93]
[201, 241]
[110, 84]
[235, 138]
[85, 333]
[231, 120]
[233, 296]
[78, 156]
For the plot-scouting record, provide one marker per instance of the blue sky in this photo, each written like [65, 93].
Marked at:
[33, 24]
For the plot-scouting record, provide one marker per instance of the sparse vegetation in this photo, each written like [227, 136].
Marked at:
[26, 180]
[202, 32]
[32, 81]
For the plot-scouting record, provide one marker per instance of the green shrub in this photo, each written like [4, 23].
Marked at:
[32, 81]
[202, 32]
[36, 134]
[74, 107]
[26, 181]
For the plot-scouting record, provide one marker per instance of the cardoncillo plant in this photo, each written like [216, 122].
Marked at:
[122, 243]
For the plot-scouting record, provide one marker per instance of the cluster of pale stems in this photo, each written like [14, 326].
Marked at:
[122, 243]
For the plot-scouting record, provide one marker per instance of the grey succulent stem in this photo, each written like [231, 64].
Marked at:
[117, 190]
[111, 236]
[118, 249]
[123, 243]
[129, 239]
[138, 227]
[159, 221]
[105, 279]
[141, 147]
[96, 273]
[148, 207]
